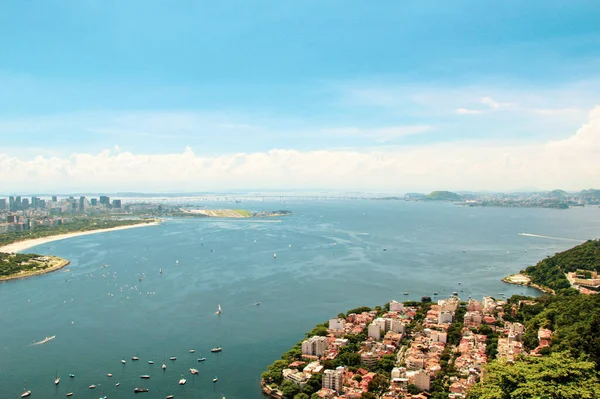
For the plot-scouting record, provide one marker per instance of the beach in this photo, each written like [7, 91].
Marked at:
[26, 244]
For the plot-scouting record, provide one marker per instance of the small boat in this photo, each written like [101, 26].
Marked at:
[123, 361]
[215, 379]
[69, 393]
[109, 375]
[192, 350]
[182, 381]
[194, 371]
[117, 384]
[405, 293]
[72, 375]
[435, 293]
[26, 394]
[202, 359]
[459, 283]
[140, 390]
[218, 309]
[173, 358]
[145, 376]
[257, 303]
[57, 380]
[217, 349]
[164, 366]
[170, 397]
[160, 271]
[134, 358]
[385, 249]
[92, 386]
[455, 293]
[274, 255]
[150, 361]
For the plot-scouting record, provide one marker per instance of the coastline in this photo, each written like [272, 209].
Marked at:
[60, 263]
[523, 279]
[20, 246]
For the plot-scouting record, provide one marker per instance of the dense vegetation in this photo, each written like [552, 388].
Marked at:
[555, 376]
[76, 224]
[550, 272]
[570, 366]
[11, 264]
[443, 196]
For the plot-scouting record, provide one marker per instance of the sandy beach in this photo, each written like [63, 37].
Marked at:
[26, 244]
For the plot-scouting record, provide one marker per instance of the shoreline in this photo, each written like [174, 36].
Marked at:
[61, 263]
[20, 246]
[523, 279]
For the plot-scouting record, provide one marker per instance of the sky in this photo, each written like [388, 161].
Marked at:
[394, 96]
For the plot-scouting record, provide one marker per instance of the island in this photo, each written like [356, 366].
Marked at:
[493, 348]
[15, 266]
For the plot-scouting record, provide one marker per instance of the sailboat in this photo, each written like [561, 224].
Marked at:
[218, 309]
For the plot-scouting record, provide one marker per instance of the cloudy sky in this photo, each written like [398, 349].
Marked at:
[391, 96]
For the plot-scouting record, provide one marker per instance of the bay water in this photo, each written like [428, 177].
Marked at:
[112, 302]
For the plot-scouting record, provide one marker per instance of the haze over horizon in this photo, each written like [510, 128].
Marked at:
[154, 97]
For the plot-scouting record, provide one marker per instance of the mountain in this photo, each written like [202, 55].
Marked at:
[558, 194]
[443, 196]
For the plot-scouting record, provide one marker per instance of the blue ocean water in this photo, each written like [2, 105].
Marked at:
[331, 256]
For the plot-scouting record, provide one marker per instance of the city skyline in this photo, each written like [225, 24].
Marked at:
[325, 96]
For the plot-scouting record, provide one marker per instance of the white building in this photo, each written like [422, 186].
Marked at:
[397, 326]
[332, 379]
[314, 346]
[396, 306]
[422, 380]
[445, 317]
[374, 331]
[337, 324]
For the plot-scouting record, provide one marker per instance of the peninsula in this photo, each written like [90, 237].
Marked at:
[15, 266]
[229, 213]
[452, 349]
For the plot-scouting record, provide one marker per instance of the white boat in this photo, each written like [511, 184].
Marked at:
[192, 350]
[117, 384]
[194, 371]
[150, 362]
[257, 303]
[69, 393]
[170, 396]
[26, 394]
[164, 366]
[202, 359]
[182, 381]
[217, 349]
[160, 271]
[173, 358]
[274, 255]
[92, 386]
[109, 375]
[145, 376]
[135, 358]
[218, 309]
[123, 361]
[215, 379]
[56, 380]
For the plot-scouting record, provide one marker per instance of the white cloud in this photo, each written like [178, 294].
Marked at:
[464, 111]
[572, 163]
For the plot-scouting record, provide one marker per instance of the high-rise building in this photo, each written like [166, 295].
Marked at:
[332, 379]
[105, 200]
[18, 202]
[82, 203]
[25, 203]
[2, 204]
[116, 204]
[54, 198]
[94, 201]
[11, 203]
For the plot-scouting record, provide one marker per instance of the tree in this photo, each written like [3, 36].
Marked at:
[379, 383]
[413, 390]
[289, 389]
[301, 395]
[556, 376]
[368, 395]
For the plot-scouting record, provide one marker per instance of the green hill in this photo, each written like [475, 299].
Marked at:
[558, 194]
[443, 196]
[550, 272]
[590, 194]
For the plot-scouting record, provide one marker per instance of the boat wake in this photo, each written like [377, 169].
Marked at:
[550, 238]
[44, 340]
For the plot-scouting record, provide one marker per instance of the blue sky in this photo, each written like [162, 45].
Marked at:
[232, 77]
